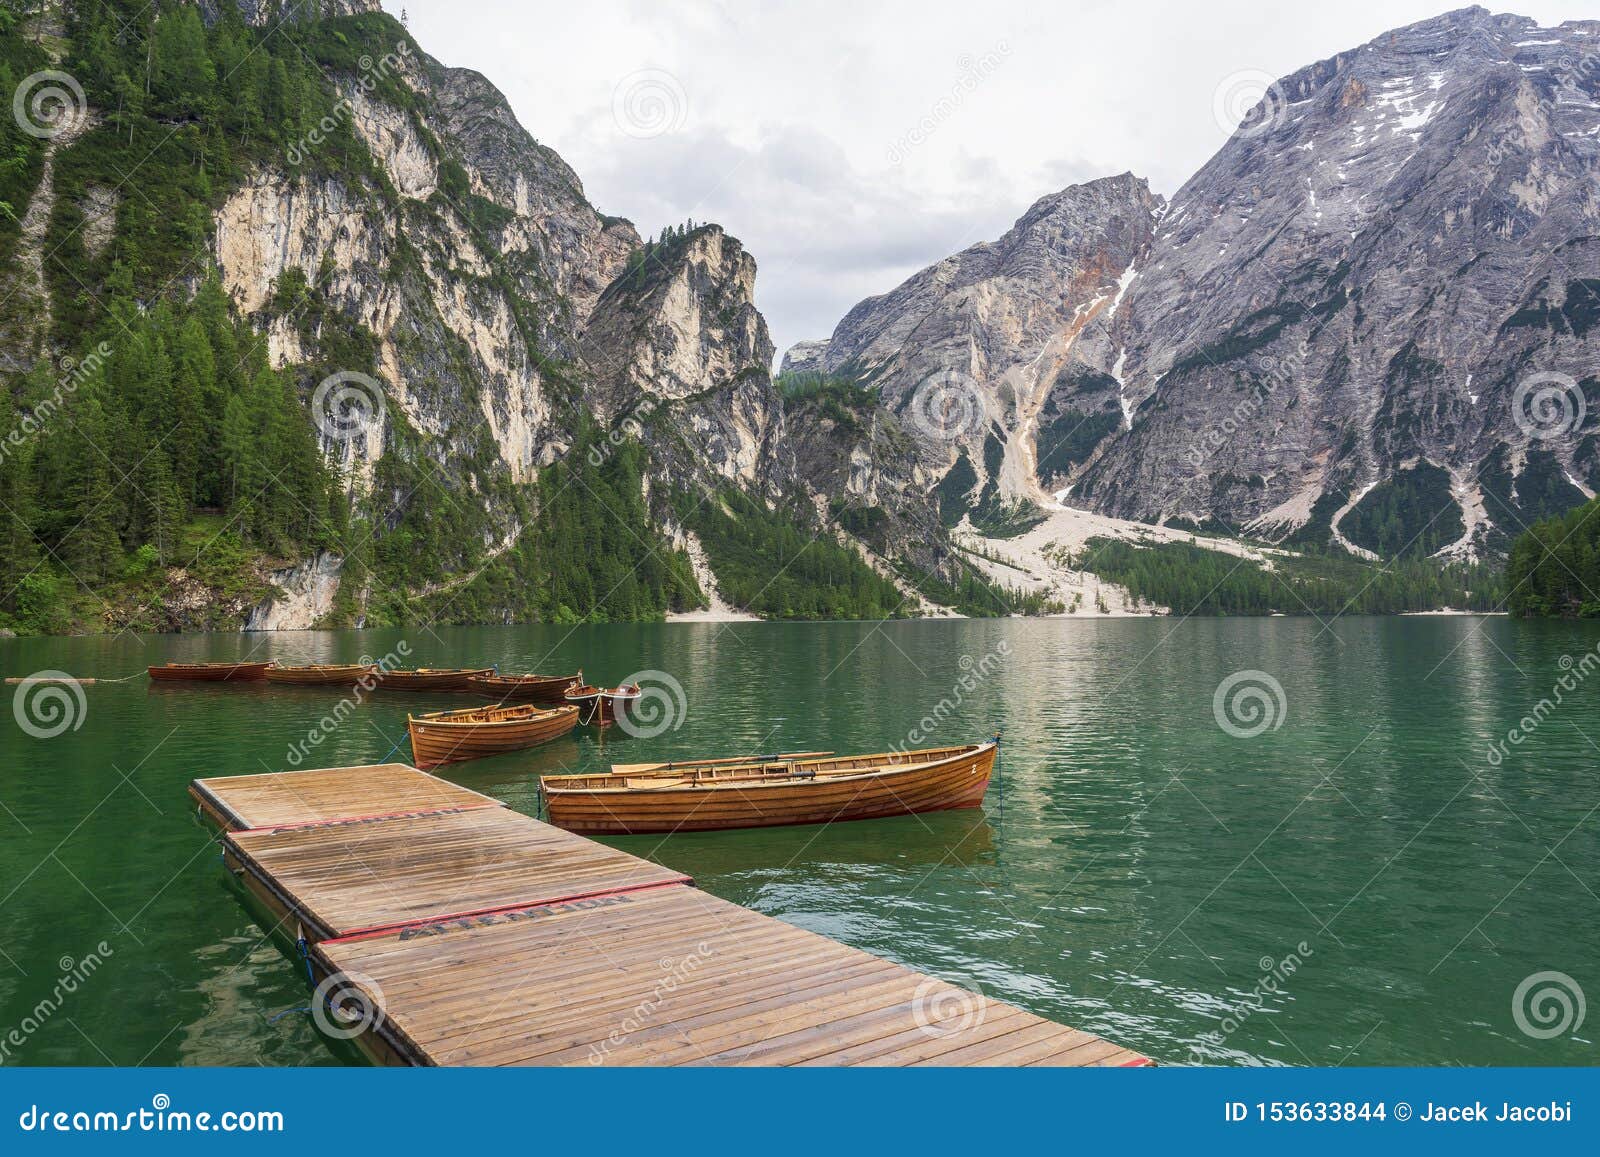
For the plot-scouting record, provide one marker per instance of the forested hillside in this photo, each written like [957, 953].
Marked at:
[168, 457]
[1192, 580]
[1554, 568]
[162, 436]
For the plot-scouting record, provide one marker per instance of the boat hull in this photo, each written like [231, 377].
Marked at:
[319, 676]
[440, 741]
[209, 672]
[944, 785]
[429, 680]
[524, 689]
[600, 708]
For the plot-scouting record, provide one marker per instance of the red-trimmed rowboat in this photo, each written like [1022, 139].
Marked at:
[210, 672]
[715, 795]
[451, 736]
[601, 705]
[430, 678]
[524, 688]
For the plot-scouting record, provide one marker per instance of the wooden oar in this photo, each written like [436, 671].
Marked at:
[632, 768]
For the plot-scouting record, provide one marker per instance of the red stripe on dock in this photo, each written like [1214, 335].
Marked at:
[1138, 1063]
[399, 926]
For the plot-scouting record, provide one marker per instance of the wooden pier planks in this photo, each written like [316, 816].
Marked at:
[484, 937]
[674, 976]
[343, 878]
[328, 794]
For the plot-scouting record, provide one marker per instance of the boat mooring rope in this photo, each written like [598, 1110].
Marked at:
[89, 682]
[999, 780]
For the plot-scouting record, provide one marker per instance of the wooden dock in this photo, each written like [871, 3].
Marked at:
[473, 935]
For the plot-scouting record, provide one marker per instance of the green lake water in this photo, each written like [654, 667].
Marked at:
[1137, 870]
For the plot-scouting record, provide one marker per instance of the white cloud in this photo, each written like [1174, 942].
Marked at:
[848, 144]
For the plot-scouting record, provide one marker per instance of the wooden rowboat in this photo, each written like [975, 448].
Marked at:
[451, 736]
[318, 676]
[210, 672]
[712, 795]
[524, 688]
[601, 705]
[430, 678]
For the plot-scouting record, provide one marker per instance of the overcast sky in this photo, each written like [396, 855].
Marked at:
[848, 144]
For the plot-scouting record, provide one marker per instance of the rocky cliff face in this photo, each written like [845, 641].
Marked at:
[1368, 282]
[507, 316]
[1382, 292]
[974, 350]
[677, 353]
[471, 287]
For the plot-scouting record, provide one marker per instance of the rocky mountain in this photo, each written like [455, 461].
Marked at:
[1371, 317]
[975, 351]
[343, 343]
[495, 367]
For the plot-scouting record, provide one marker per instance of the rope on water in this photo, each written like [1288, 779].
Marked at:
[277, 1016]
[91, 681]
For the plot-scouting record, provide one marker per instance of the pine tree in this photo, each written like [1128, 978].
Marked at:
[192, 395]
[19, 554]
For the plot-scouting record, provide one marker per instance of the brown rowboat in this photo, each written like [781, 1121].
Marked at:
[524, 688]
[451, 736]
[318, 676]
[430, 678]
[210, 672]
[715, 795]
[601, 705]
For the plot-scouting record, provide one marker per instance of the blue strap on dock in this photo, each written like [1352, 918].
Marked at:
[305, 954]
